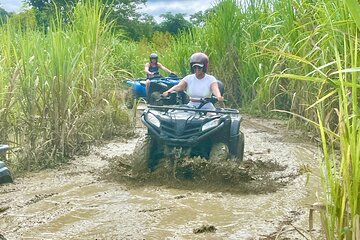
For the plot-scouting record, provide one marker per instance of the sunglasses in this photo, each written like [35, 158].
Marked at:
[197, 67]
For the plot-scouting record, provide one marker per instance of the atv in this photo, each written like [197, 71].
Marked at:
[178, 131]
[158, 84]
[5, 175]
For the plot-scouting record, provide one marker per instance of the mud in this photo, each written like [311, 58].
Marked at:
[198, 174]
[266, 196]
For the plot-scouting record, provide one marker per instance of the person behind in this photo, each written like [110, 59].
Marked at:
[152, 68]
[199, 84]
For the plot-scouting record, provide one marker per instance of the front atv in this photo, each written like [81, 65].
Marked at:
[178, 131]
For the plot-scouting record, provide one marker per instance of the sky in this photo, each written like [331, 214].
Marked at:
[11, 5]
[157, 7]
[153, 7]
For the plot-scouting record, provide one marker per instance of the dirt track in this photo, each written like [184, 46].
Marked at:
[95, 196]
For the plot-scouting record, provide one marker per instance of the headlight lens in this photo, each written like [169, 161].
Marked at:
[211, 124]
[153, 120]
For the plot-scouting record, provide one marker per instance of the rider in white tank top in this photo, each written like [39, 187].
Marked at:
[199, 84]
[199, 88]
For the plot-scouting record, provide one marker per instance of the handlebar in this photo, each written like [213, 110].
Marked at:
[171, 76]
[202, 101]
[169, 96]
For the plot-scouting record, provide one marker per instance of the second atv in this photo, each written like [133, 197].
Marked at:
[158, 84]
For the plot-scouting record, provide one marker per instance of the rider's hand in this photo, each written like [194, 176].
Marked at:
[165, 94]
[220, 99]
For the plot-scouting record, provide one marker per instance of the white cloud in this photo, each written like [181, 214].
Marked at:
[11, 5]
[189, 7]
[153, 7]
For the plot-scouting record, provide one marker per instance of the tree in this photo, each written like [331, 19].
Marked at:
[173, 23]
[3, 15]
[123, 12]
[45, 9]
[23, 20]
[145, 27]
[199, 18]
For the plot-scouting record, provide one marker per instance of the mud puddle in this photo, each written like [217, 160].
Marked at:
[97, 197]
[198, 174]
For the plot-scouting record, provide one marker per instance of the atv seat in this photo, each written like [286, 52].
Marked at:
[221, 87]
[143, 82]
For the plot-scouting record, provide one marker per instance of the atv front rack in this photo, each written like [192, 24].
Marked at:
[185, 108]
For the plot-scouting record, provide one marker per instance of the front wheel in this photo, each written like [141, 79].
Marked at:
[219, 152]
[143, 157]
[240, 147]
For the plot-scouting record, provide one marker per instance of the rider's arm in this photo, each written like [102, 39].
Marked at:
[164, 68]
[215, 90]
[180, 86]
[146, 69]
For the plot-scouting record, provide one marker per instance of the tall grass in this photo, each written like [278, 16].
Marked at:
[299, 56]
[342, 178]
[335, 73]
[223, 32]
[58, 88]
[260, 47]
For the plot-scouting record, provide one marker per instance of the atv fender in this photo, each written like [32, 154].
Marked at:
[5, 175]
[138, 88]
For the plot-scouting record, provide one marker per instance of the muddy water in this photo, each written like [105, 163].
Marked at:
[95, 197]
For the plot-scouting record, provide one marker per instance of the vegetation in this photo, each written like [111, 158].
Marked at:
[59, 87]
[123, 13]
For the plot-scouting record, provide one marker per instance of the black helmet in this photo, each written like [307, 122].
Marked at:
[201, 59]
[154, 56]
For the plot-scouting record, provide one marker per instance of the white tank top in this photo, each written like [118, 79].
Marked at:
[199, 88]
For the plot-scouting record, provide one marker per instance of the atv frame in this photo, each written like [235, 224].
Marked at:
[178, 131]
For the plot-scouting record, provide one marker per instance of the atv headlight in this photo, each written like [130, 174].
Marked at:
[211, 124]
[153, 120]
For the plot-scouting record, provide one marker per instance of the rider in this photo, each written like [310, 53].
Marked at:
[199, 84]
[152, 68]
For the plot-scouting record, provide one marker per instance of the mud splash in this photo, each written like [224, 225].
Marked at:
[245, 177]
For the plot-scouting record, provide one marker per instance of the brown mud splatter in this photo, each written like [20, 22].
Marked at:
[245, 177]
